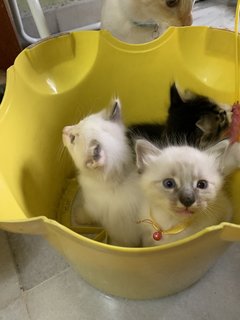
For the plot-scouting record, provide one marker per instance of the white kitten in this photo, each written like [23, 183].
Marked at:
[183, 186]
[139, 21]
[107, 174]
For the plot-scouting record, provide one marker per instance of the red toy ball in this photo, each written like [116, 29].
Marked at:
[157, 235]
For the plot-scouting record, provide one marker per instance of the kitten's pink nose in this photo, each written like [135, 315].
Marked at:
[187, 20]
[69, 134]
[66, 130]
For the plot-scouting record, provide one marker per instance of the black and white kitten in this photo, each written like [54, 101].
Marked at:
[192, 119]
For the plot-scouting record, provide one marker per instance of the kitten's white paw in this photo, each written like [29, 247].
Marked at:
[81, 217]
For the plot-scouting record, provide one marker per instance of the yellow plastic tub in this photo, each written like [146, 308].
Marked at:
[56, 82]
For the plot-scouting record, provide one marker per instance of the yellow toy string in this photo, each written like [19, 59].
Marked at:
[237, 53]
[171, 231]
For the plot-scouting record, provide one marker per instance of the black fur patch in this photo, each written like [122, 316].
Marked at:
[180, 127]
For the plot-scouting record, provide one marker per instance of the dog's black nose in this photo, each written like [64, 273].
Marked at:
[187, 198]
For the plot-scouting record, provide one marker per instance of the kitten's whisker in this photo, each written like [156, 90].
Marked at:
[60, 152]
[211, 209]
[61, 157]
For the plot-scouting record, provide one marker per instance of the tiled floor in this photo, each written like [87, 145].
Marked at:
[215, 13]
[38, 284]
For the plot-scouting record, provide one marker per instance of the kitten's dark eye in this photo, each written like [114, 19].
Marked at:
[172, 3]
[72, 138]
[202, 184]
[169, 183]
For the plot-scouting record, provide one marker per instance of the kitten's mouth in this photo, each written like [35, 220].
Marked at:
[184, 211]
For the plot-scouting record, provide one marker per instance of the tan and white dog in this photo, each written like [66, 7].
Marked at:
[139, 21]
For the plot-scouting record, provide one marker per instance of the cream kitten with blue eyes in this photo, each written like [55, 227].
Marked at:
[183, 186]
[107, 174]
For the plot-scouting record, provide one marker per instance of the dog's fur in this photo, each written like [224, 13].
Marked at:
[139, 21]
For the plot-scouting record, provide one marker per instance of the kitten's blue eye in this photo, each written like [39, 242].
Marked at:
[202, 184]
[169, 183]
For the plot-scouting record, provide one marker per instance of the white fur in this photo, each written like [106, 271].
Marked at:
[111, 194]
[228, 156]
[111, 191]
[186, 165]
[119, 17]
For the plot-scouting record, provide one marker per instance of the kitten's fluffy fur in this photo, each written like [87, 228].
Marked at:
[130, 20]
[200, 120]
[192, 119]
[181, 183]
[113, 196]
[107, 174]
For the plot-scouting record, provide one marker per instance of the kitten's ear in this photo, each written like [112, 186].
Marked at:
[186, 94]
[179, 95]
[206, 124]
[175, 98]
[115, 111]
[228, 161]
[145, 153]
[95, 156]
[219, 148]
